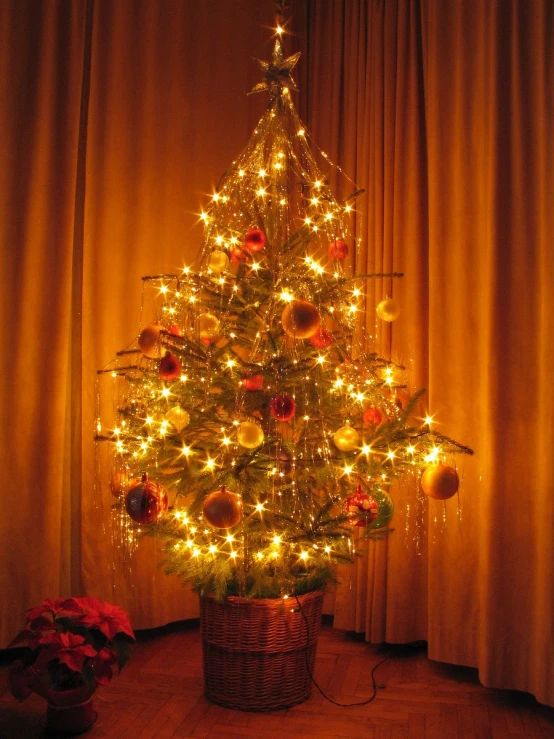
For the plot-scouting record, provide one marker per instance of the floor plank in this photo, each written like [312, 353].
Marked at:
[159, 695]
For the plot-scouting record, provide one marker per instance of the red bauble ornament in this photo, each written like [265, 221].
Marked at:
[338, 249]
[439, 481]
[255, 240]
[282, 407]
[253, 382]
[175, 330]
[146, 501]
[300, 319]
[321, 338]
[362, 507]
[148, 341]
[222, 509]
[373, 416]
[170, 367]
[238, 255]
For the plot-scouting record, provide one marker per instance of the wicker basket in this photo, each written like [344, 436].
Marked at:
[255, 650]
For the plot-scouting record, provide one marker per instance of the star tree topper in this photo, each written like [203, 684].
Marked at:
[277, 72]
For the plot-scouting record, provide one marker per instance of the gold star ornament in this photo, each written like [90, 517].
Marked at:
[277, 71]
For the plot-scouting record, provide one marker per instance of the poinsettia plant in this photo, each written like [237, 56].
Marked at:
[70, 643]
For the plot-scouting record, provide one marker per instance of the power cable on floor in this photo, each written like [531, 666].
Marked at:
[314, 681]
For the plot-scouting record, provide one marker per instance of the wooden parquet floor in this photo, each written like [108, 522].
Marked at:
[159, 696]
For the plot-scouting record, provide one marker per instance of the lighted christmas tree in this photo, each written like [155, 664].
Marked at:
[257, 429]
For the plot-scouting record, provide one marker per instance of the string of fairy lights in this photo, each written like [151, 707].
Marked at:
[255, 429]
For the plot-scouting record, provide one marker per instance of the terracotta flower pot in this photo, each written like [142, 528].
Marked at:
[70, 712]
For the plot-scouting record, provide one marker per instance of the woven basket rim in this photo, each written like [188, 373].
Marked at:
[239, 600]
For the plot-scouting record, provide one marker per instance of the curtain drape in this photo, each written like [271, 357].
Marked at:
[442, 112]
[117, 120]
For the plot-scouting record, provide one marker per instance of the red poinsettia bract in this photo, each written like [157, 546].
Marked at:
[71, 643]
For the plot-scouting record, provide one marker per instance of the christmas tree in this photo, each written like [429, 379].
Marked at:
[256, 427]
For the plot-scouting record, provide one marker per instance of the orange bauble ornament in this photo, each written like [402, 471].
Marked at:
[440, 481]
[149, 341]
[300, 319]
[222, 509]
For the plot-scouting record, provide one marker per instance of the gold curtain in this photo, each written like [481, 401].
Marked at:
[443, 112]
[117, 120]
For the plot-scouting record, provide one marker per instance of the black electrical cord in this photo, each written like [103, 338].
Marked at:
[332, 700]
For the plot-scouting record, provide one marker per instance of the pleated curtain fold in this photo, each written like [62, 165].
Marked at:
[117, 120]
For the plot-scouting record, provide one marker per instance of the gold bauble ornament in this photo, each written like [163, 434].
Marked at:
[149, 341]
[218, 261]
[178, 417]
[300, 319]
[207, 326]
[440, 481]
[222, 509]
[388, 310]
[250, 435]
[346, 438]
